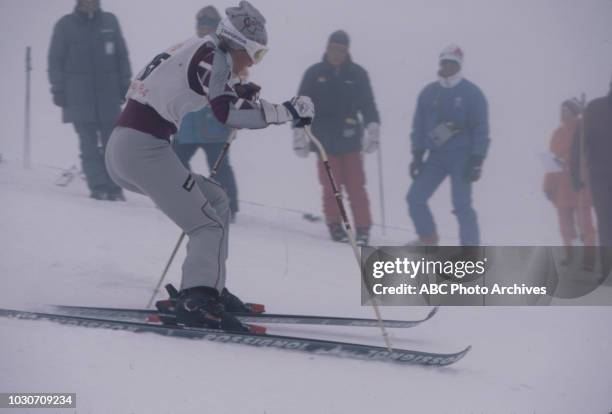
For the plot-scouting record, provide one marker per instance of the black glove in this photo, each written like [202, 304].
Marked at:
[474, 168]
[248, 91]
[416, 166]
[59, 99]
[301, 109]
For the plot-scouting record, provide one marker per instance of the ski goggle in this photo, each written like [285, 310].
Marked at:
[255, 50]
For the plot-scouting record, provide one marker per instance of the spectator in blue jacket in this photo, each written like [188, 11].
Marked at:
[450, 125]
[202, 130]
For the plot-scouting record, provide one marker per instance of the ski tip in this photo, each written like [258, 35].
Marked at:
[465, 351]
[458, 356]
[433, 312]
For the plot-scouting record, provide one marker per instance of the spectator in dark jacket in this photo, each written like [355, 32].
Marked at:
[202, 130]
[341, 92]
[598, 148]
[89, 72]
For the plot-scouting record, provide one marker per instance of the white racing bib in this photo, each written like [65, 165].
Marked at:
[164, 83]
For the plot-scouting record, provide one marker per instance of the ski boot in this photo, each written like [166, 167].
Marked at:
[201, 307]
[167, 309]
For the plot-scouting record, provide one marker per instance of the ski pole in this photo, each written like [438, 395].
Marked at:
[221, 156]
[581, 136]
[213, 172]
[381, 191]
[26, 133]
[349, 231]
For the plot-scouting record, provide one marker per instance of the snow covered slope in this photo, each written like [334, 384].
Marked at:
[60, 247]
[57, 246]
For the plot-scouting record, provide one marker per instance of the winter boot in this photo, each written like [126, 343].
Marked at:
[201, 307]
[424, 241]
[569, 255]
[98, 193]
[362, 236]
[588, 258]
[116, 195]
[337, 232]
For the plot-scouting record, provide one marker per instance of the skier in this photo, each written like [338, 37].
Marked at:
[450, 122]
[139, 156]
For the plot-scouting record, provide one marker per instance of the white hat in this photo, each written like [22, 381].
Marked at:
[452, 52]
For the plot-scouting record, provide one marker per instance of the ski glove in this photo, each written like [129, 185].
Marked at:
[300, 110]
[474, 168]
[247, 91]
[416, 166]
[301, 143]
[371, 138]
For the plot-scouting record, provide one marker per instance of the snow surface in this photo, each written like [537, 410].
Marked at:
[61, 247]
[58, 246]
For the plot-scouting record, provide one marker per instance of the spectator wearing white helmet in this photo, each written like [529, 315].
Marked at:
[451, 125]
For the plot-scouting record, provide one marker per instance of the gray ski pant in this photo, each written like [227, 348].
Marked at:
[144, 164]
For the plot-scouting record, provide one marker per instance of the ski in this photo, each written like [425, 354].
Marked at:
[140, 315]
[303, 344]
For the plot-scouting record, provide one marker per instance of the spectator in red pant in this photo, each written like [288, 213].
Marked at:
[347, 123]
[572, 200]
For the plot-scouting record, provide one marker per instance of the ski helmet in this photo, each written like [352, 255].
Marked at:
[243, 28]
